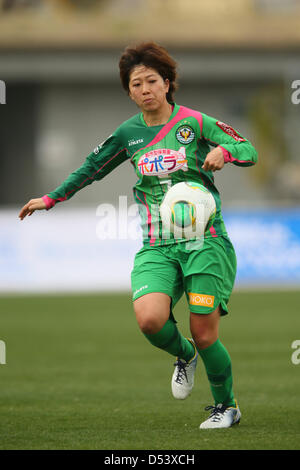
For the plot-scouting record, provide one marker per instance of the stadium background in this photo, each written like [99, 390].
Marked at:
[59, 61]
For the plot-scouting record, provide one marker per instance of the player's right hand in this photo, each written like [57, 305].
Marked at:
[31, 206]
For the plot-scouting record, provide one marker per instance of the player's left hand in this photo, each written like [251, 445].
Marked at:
[31, 206]
[214, 160]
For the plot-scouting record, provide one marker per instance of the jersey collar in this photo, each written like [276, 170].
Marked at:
[175, 111]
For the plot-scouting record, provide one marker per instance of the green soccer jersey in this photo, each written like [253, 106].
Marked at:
[162, 156]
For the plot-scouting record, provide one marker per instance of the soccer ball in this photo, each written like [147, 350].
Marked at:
[187, 209]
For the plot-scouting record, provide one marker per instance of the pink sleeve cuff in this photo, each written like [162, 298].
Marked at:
[226, 154]
[48, 201]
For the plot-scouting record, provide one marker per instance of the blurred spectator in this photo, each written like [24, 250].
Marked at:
[276, 6]
[71, 4]
[12, 4]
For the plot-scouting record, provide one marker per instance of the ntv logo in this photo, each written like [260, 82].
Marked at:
[2, 92]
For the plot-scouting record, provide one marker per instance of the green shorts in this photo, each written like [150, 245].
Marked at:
[205, 274]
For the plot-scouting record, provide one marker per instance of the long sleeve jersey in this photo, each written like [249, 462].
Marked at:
[162, 156]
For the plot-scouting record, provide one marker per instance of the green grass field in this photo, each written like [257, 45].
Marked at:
[80, 375]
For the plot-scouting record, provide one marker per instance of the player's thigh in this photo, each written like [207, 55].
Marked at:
[155, 272]
[204, 293]
[207, 302]
[209, 277]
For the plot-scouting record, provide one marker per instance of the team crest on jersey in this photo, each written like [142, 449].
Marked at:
[160, 162]
[185, 134]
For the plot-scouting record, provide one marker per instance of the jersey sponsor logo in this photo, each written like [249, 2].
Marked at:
[230, 131]
[185, 134]
[201, 299]
[161, 162]
[135, 142]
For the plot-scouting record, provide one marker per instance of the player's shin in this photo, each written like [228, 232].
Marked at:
[218, 368]
[171, 340]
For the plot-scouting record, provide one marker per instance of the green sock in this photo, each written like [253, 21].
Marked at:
[171, 340]
[218, 368]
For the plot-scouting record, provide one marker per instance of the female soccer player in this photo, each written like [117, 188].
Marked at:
[167, 143]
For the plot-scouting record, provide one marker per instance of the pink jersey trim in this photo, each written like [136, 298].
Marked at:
[48, 201]
[200, 174]
[213, 232]
[149, 220]
[182, 113]
[228, 158]
[226, 154]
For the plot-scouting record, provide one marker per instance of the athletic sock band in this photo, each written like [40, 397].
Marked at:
[218, 368]
[171, 340]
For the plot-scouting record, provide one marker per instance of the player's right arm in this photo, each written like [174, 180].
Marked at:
[98, 164]
[229, 145]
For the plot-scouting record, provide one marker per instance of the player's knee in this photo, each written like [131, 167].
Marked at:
[204, 328]
[204, 337]
[151, 314]
[204, 342]
[150, 320]
[149, 324]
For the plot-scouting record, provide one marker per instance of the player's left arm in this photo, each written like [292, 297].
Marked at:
[230, 145]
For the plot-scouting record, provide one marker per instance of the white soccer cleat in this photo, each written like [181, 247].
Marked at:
[221, 417]
[183, 376]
